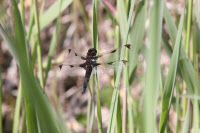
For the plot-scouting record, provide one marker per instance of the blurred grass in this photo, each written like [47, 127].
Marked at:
[53, 44]
[95, 44]
[126, 114]
[17, 110]
[40, 112]
[153, 66]
[38, 43]
[171, 78]
[114, 101]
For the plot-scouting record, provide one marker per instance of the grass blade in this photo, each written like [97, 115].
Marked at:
[153, 66]
[119, 116]
[51, 14]
[195, 116]
[95, 44]
[136, 38]
[39, 52]
[186, 126]
[37, 108]
[185, 65]
[17, 110]
[122, 16]
[113, 107]
[189, 20]
[53, 44]
[171, 78]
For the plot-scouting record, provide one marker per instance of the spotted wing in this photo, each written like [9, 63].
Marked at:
[109, 67]
[116, 50]
[71, 65]
[76, 54]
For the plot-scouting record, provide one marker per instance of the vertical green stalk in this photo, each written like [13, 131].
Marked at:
[177, 107]
[189, 19]
[90, 112]
[39, 52]
[1, 128]
[31, 21]
[126, 86]
[114, 102]
[153, 66]
[17, 109]
[129, 99]
[95, 43]
[23, 123]
[124, 111]
[53, 43]
[119, 117]
[22, 11]
[186, 125]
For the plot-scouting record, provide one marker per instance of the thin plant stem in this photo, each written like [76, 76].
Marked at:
[53, 43]
[22, 11]
[17, 109]
[23, 123]
[189, 19]
[39, 52]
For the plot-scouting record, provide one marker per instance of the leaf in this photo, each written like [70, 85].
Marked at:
[136, 38]
[152, 78]
[95, 44]
[114, 101]
[41, 116]
[185, 65]
[186, 125]
[51, 14]
[171, 78]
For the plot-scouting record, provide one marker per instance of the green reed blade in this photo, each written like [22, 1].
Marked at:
[171, 78]
[186, 126]
[153, 66]
[136, 38]
[113, 107]
[95, 44]
[41, 116]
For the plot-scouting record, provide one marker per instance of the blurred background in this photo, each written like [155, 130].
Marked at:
[63, 87]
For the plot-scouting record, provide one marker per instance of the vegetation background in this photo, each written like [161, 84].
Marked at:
[157, 91]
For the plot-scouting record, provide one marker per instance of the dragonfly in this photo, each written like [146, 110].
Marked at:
[90, 63]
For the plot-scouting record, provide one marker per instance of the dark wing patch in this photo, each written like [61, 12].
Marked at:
[60, 66]
[116, 50]
[71, 65]
[128, 46]
[69, 50]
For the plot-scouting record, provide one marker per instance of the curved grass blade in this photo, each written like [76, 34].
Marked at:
[136, 38]
[152, 78]
[186, 125]
[53, 44]
[185, 65]
[113, 107]
[37, 103]
[51, 14]
[171, 78]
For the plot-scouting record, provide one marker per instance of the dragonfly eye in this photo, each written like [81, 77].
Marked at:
[93, 51]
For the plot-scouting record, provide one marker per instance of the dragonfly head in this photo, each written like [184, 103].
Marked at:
[92, 52]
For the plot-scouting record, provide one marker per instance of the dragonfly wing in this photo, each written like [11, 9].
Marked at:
[109, 67]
